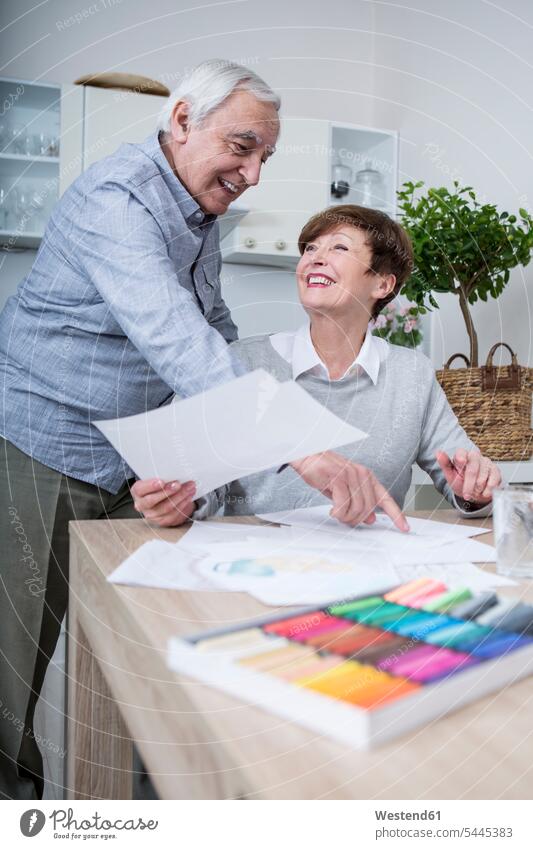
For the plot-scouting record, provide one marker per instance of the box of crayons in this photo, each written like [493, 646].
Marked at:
[367, 669]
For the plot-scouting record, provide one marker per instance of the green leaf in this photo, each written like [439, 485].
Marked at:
[459, 242]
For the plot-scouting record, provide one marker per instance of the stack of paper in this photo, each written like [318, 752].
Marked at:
[296, 565]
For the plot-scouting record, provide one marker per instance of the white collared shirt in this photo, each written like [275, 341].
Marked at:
[297, 349]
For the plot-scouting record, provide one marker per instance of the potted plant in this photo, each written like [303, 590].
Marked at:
[461, 246]
[400, 327]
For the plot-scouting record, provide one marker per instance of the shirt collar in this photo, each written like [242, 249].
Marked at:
[190, 209]
[298, 350]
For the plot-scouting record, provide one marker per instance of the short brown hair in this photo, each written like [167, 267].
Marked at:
[390, 246]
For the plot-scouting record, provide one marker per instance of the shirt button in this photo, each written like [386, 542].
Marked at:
[198, 216]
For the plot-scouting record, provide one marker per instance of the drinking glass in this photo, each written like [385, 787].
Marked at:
[3, 208]
[22, 207]
[53, 146]
[513, 530]
[42, 144]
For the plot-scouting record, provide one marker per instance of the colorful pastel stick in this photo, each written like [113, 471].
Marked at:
[407, 589]
[418, 653]
[331, 625]
[313, 668]
[475, 606]
[355, 636]
[384, 615]
[447, 600]
[240, 643]
[454, 636]
[373, 654]
[420, 624]
[427, 664]
[297, 624]
[418, 598]
[357, 604]
[499, 643]
[361, 614]
[278, 658]
[496, 611]
[361, 692]
[356, 683]
[518, 619]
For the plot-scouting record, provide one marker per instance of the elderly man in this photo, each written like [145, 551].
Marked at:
[121, 310]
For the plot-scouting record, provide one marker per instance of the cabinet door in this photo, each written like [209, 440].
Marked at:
[95, 121]
[294, 184]
[114, 117]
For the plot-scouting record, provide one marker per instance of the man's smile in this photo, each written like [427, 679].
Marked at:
[228, 186]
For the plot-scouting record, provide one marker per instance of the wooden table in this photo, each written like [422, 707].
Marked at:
[199, 743]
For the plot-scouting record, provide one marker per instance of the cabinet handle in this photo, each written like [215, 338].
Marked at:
[249, 242]
[281, 245]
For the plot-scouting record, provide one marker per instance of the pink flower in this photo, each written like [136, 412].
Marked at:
[380, 322]
[410, 324]
[391, 308]
[405, 310]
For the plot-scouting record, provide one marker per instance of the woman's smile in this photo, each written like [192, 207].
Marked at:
[319, 281]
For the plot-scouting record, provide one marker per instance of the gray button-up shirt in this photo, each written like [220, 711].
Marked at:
[120, 310]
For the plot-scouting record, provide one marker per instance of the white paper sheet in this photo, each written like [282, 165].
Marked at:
[289, 580]
[247, 425]
[278, 572]
[369, 546]
[318, 518]
[454, 575]
[399, 549]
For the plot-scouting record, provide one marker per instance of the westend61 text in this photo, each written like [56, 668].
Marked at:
[407, 815]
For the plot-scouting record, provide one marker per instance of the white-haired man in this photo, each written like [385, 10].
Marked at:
[121, 310]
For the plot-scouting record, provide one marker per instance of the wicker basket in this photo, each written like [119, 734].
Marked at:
[493, 405]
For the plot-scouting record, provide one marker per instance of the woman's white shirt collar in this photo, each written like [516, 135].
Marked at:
[297, 349]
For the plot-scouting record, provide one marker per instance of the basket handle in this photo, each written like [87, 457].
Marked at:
[453, 357]
[492, 380]
[493, 350]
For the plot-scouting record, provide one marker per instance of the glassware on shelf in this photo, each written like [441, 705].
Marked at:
[53, 146]
[4, 138]
[369, 187]
[42, 144]
[341, 176]
[23, 208]
[4, 208]
[10, 217]
[14, 140]
[17, 140]
[37, 203]
[27, 144]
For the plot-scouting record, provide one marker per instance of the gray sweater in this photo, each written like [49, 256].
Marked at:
[406, 416]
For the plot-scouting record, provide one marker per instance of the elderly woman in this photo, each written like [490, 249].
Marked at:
[354, 261]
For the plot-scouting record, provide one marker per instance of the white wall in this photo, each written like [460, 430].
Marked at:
[456, 79]
[453, 77]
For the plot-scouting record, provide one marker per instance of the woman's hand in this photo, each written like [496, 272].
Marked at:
[354, 489]
[164, 504]
[471, 476]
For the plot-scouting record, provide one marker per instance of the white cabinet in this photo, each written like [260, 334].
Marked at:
[29, 160]
[296, 182]
[96, 121]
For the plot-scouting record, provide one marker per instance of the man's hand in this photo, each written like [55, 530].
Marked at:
[164, 504]
[354, 489]
[471, 476]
